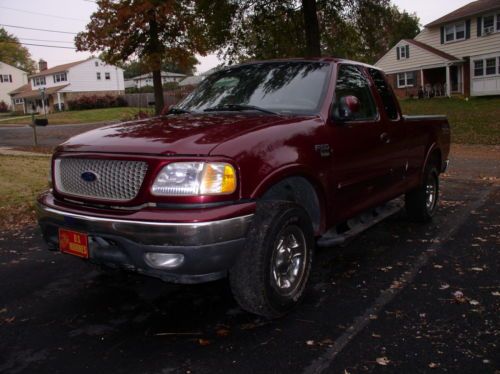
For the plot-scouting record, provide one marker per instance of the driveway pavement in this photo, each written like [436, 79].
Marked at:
[400, 298]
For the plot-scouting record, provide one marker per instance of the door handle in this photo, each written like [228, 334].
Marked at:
[385, 138]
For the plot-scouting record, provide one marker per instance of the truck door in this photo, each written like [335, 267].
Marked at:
[359, 150]
[396, 137]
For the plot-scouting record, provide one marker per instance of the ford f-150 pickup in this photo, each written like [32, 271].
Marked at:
[244, 177]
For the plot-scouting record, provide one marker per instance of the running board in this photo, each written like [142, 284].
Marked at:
[358, 224]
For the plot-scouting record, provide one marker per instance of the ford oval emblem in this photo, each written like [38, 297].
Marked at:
[89, 176]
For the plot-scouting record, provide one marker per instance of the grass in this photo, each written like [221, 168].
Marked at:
[85, 116]
[21, 180]
[476, 121]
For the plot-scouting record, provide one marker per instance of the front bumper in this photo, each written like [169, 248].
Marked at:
[209, 249]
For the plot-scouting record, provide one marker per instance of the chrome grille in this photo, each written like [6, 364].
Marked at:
[116, 180]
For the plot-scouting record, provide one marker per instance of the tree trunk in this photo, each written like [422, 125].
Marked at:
[313, 46]
[155, 51]
[158, 88]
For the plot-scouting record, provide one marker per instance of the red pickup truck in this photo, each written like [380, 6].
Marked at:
[244, 177]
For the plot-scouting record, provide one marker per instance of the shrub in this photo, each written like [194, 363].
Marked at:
[3, 107]
[96, 102]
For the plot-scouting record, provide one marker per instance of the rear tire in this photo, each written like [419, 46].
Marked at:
[271, 273]
[421, 203]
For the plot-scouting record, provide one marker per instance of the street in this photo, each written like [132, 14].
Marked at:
[400, 298]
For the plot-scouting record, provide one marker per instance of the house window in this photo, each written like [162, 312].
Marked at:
[98, 76]
[39, 81]
[61, 77]
[18, 101]
[491, 66]
[107, 76]
[478, 68]
[406, 79]
[498, 22]
[404, 51]
[96, 63]
[6, 78]
[455, 32]
[488, 24]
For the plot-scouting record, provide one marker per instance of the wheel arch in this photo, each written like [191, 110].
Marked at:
[299, 188]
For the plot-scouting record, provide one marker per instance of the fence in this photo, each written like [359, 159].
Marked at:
[148, 99]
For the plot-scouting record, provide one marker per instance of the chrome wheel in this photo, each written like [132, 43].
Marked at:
[289, 260]
[431, 193]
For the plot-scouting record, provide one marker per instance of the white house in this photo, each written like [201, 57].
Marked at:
[166, 77]
[66, 82]
[10, 79]
[458, 53]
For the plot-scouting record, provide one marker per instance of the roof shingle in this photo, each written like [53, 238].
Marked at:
[471, 9]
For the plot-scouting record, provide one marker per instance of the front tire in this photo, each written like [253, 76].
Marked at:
[271, 274]
[421, 203]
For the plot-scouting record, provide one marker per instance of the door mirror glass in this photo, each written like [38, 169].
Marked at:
[348, 108]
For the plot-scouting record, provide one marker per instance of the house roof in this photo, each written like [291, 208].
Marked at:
[471, 9]
[163, 74]
[34, 93]
[24, 87]
[191, 81]
[58, 68]
[432, 50]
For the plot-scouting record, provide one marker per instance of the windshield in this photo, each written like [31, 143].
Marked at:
[291, 87]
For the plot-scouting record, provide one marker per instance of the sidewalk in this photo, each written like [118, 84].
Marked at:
[8, 151]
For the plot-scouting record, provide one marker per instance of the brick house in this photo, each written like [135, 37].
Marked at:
[62, 83]
[458, 53]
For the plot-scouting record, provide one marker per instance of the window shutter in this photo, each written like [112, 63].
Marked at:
[442, 34]
[467, 29]
[1, 78]
[397, 51]
[10, 78]
[407, 51]
[479, 26]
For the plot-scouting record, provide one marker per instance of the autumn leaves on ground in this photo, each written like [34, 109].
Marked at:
[22, 179]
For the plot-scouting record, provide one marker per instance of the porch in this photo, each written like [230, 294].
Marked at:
[37, 101]
[443, 81]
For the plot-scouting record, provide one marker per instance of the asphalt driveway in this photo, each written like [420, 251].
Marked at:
[400, 298]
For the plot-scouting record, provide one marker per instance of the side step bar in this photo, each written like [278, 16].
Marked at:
[357, 225]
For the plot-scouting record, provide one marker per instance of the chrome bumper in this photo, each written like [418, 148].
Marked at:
[207, 249]
[150, 233]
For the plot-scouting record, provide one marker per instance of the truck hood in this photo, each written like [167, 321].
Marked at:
[189, 134]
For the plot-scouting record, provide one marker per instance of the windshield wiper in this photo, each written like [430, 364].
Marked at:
[238, 107]
[176, 110]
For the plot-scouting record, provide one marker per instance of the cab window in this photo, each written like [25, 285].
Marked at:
[351, 86]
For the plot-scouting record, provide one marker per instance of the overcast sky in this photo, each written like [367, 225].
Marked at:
[71, 16]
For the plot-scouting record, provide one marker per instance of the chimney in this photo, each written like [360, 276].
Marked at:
[42, 65]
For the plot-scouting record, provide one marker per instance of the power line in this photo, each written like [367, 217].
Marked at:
[31, 28]
[45, 40]
[42, 14]
[39, 45]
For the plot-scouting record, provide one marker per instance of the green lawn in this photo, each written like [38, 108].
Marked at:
[85, 116]
[476, 121]
[21, 180]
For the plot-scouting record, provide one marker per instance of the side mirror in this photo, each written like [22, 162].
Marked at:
[346, 108]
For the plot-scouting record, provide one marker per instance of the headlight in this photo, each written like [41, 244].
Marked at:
[195, 178]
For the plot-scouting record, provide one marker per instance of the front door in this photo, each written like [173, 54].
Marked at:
[359, 161]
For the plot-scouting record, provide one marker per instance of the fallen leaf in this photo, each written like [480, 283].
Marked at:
[474, 302]
[222, 332]
[459, 296]
[384, 361]
[310, 342]
[433, 365]
[438, 266]
[203, 342]
[495, 293]
[444, 286]
[376, 336]
[476, 269]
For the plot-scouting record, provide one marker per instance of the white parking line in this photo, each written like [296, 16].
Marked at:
[323, 362]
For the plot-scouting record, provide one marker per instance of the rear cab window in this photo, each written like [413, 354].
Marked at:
[386, 94]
